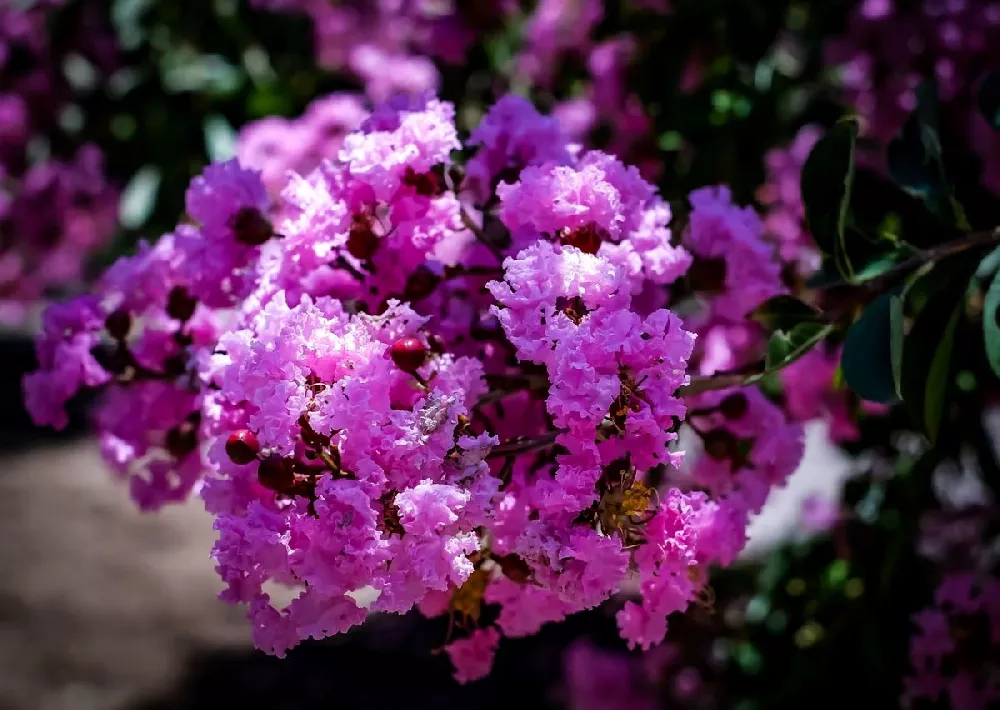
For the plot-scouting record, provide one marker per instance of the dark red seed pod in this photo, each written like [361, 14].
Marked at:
[587, 238]
[251, 227]
[720, 444]
[421, 284]
[119, 324]
[181, 441]
[275, 473]
[708, 275]
[242, 446]
[408, 354]
[180, 305]
[362, 242]
[734, 406]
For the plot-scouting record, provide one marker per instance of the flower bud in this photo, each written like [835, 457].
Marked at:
[242, 447]
[275, 473]
[408, 354]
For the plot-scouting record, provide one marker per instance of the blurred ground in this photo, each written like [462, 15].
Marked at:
[102, 607]
[98, 603]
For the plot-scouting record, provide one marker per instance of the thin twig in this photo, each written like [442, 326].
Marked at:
[515, 447]
[891, 277]
[481, 235]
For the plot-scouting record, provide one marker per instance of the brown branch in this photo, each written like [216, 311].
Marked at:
[481, 235]
[890, 278]
[522, 445]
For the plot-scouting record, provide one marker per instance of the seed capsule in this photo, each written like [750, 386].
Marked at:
[408, 354]
[276, 474]
[242, 447]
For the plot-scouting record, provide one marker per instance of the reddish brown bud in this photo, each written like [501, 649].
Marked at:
[428, 184]
[242, 447]
[250, 227]
[708, 275]
[180, 305]
[734, 406]
[421, 284]
[362, 242]
[181, 440]
[119, 324]
[587, 238]
[408, 354]
[276, 474]
[720, 444]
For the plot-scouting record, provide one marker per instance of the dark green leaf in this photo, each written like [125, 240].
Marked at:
[896, 335]
[938, 377]
[989, 99]
[785, 347]
[926, 361]
[991, 329]
[989, 265]
[824, 277]
[881, 264]
[784, 313]
[867, 357]
[915, 163]
[827, 177]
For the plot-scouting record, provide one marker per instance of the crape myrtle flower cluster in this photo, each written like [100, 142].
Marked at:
[441, 375]
[56, 209]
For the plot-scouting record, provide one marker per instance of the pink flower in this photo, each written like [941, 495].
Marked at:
[473, 656]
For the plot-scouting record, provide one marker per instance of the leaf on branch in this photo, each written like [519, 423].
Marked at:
[784, 313]
[989, 265]
[896, 334]
[991, 327]
[867, 356]
[785, 347]
[827, 179]
[925, 368]
[915, 162]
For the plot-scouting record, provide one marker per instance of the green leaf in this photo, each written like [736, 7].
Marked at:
[989, 265]
[784, 313]
[867, 355]
[827, 178]
[925, 371]
[991, 328]
[936, 389]
[915, 163]
[785, 347]
[896, 334]
[881, 264]
[988, 98]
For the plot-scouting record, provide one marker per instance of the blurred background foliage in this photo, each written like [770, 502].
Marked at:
[192, 72]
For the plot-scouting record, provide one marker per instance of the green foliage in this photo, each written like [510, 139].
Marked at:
[827, 179]
[867, 357]
[786, 346]
[916, 164]
[784, 313]
[925, 369]
[991, 323]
